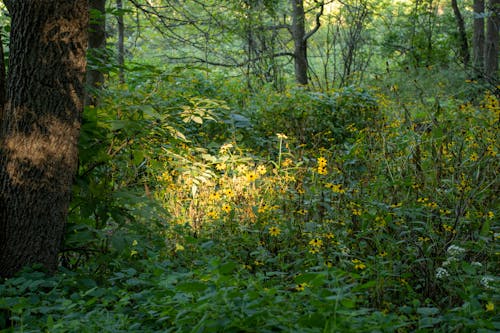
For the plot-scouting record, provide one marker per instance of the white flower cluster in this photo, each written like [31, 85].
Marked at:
[441, 273]
[485, 281]
[449, 261]
[455, 251]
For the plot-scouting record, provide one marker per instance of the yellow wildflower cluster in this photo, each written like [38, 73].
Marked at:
[315, 244]
[355, 209]
[449, 228]
[322, 166]
[287, 162]
[358, 264]
[134, 252]
[427, 203]
[336, 188]
[464, 185]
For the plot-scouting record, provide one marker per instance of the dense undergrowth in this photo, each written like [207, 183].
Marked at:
[201, 208]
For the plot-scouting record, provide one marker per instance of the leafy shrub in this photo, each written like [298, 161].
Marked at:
[313, 118]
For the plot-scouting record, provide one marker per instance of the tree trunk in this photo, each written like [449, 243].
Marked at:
[121, 47]
[492, 39]
[40, 128]
[478, 37]
[300, 41]
[462, 34]
[97, 49]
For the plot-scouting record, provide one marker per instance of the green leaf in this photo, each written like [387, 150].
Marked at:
[227, 268]
[191, 287]
[425, 311]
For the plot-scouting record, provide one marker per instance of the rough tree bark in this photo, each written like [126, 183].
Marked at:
[40, 128]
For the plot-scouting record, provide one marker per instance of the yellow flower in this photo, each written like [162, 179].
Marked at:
[228, 192]
[491, 214]
[336, 188]
[225, 148]
[449, 228]
[322, 170]
[490, 151]
[134, 243]
[356, 212]
[330, 235]
[133, 253]
[226, 208]
[213, 214]
[322, 161]
[274, 231]
[221, 166]
[263, 208]
[301, 286]
[214, 196]
[313, 250]
[473, 157]
[261, 170]
[178, 247]
[316, 242]
[490, 306]
[287, 162]
[281, 136]
[422, 200]
[251, 176]
[431, 204]
[358, 264]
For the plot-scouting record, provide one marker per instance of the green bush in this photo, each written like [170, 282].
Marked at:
[314, 119]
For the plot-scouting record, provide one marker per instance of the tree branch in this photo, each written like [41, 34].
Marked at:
[318, 21]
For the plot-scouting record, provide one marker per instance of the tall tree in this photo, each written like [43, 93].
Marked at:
[462, 34]
[300, 37]
[492, 40]
[120, 42]
[40, 128]
[97, 50]
[478, 36]
[299, 41]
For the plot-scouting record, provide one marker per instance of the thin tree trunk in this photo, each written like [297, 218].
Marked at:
[97, 48]
[492, 39]
[300, 41]
[41, 124]
[464, 44]
[121, 47]
[478, 41]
